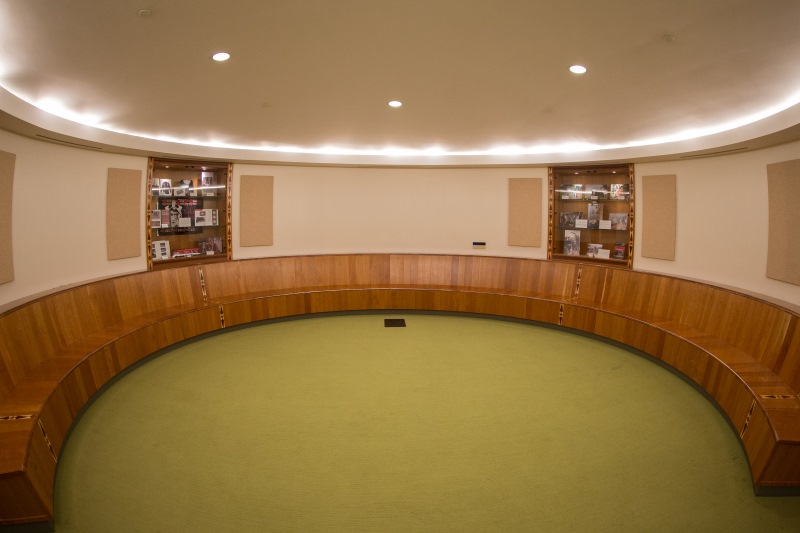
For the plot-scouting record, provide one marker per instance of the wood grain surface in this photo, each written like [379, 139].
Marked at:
[58, 350]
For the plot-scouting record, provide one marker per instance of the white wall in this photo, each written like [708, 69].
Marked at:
[59, 215]
[722, 225]
[321, 210]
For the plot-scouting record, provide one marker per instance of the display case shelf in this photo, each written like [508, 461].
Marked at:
[188, 212]
[591, 214]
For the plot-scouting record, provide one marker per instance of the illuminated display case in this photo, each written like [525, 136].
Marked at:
[591, 214]
[188, 212]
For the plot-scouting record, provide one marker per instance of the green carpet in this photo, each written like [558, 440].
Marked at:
[449, 424]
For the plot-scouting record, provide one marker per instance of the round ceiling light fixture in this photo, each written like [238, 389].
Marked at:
[221, 56]
[577, 69]
[395, 103]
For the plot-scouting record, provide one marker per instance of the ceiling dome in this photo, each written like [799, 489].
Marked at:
[480, 81]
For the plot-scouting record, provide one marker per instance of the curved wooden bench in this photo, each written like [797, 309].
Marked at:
[59, 350]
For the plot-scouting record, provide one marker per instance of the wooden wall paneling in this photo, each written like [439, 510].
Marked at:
[7, 163]
[541, 310]
[759, 442]
[729, 391]
[19, 501]
[789, 367]
[255, 211]
[40, 469]
[783, 241]
[578, 317]
[545, 279]
[225, 279]
[421, 270]
[55, 346]
[639, 335]
[150, 292]
[783, 468]
[659, 216]
[588, 285]
[123, 213]
[525, 212]
[685, 357]
[27, 337]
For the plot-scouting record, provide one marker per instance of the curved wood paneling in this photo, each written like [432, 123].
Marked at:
[59, 350]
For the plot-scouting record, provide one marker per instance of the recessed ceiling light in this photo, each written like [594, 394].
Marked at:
[221, 56]
[577, 69]
[395, 103]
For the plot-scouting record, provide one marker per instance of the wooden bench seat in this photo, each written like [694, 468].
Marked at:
[57, 351]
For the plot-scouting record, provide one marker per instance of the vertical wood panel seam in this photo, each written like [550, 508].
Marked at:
[47, 441]
[787, 341]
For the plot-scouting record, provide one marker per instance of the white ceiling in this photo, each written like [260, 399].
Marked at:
[482, 81]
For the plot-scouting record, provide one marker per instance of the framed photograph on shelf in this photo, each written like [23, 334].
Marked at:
[619, 221]
[572, 242]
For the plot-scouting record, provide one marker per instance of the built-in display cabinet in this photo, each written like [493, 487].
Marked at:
[591, 214]
[188, 212]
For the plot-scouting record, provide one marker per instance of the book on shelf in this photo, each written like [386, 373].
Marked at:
[619, 250]
[572, 242]
[595, 215]
[619, 221]
[567, 219]
[620, 191]
[155, 218]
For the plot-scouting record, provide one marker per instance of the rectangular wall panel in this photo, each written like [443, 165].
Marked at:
[7, 161]
[659, 216]
[123, 213]
[525, 212]
[255, 211]
[783, 244]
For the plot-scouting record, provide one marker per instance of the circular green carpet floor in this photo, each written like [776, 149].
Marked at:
[449, 424]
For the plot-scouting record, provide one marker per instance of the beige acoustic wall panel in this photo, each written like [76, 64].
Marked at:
[659, 216]
[783, 243]
[123, 213]
[255, 211]
[7, 161]
[525, 212]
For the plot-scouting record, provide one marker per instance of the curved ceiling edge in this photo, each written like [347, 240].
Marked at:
[23, 118]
